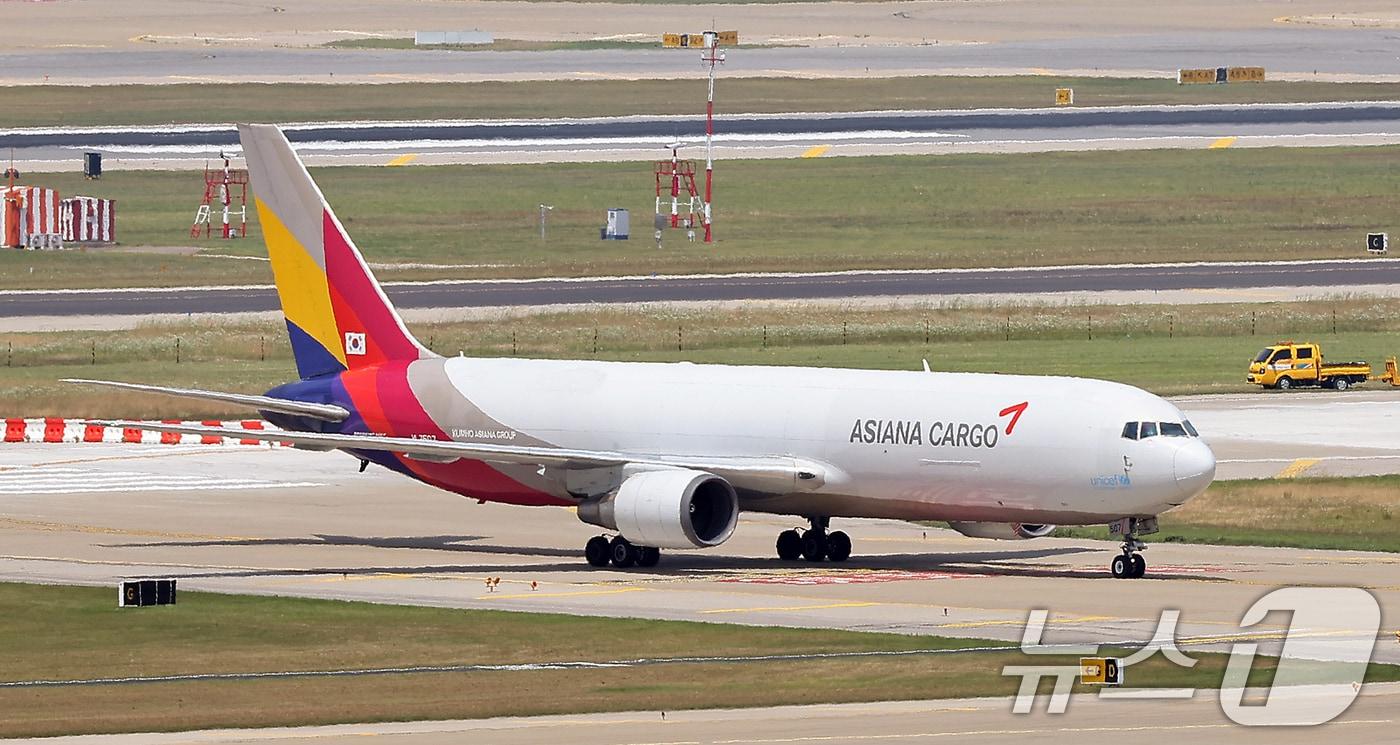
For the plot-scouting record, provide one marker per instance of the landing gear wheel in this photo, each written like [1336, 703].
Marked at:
[1284, 383]
[1341, 384]
[838, 546]
[648, 556]
[1129, 564]
[597, 551]
[1121, 566]
[813, 545]
[1139, 567]
[789, 545]
[622, 553]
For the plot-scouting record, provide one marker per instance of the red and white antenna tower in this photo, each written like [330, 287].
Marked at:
[712, 57]
[675, 177]
[219, 188]
[710, 41]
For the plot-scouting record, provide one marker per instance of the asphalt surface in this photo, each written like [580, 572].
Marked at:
[287, 522]
[664, 127]
[1356, 53]
[986, 721]
[284, 522]
[796, 286]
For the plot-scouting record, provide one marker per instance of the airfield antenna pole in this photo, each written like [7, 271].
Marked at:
[713, 57]
[544, 209]
[224, 196]
[675, 185]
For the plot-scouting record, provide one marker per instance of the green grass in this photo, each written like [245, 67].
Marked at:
[833, 213]
[70, 633]
[1323, 513]
[1165, 349]
[113, 105]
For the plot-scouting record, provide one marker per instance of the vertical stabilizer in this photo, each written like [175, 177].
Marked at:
[337, 315]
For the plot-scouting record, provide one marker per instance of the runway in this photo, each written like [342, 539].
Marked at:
[738, 135]
[1371, 719]
[718, 287]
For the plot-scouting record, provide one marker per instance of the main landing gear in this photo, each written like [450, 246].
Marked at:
[618, 551]
[1130, 564]
[815, 543]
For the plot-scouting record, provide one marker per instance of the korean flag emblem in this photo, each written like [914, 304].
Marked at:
[354, 343]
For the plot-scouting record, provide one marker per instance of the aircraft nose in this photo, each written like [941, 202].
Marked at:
[1194, 467]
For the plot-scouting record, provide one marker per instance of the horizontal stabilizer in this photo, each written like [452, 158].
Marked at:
[325, 412]
[772, 474]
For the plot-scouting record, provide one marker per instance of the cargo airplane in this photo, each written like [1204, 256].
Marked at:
[666, 456]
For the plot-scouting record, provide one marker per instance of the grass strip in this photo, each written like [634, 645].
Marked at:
[1358, 513]
[1145, 345]
[774, 215]
[50, 632]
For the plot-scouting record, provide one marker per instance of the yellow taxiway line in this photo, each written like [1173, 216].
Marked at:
[1296, 468]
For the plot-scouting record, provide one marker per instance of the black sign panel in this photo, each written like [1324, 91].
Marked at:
[135, 594]
[1376, 243]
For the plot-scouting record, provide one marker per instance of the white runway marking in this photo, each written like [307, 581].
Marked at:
[22, 480]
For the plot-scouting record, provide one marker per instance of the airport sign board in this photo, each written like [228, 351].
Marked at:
[721, 39]
[1101, 671]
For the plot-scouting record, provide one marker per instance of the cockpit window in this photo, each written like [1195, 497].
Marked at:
[1144, 430]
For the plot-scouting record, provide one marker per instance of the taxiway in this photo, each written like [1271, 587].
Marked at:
[285, 522]
[848, 285]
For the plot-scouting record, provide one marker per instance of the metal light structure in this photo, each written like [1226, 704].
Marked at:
[219, 189]
[544, 209]
[710, 42]
[712, 57]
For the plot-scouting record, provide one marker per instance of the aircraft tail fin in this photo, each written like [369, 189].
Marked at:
[338, 316]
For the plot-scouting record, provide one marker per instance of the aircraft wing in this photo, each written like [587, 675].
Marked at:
[325, 412]
[773, 474]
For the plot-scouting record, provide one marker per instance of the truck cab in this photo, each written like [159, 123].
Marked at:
[1288, 364]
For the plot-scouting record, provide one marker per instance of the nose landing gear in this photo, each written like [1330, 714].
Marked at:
[1130, 564]
[815, 543]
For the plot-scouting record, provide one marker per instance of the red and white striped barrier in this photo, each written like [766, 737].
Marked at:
[27, 210]
[54, 429]
[89, 220]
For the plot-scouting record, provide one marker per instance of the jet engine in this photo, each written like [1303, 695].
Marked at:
[1003, 531]
[671, 508]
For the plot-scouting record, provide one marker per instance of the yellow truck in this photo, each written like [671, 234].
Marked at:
[1287, 365]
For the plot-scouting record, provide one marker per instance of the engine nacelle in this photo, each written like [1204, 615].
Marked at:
[1003, 531]
[668, 509]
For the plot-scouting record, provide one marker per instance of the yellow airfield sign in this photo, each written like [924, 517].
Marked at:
[1100, 671]
[721, 39]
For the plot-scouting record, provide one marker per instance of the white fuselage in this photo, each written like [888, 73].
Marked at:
[912, 445]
